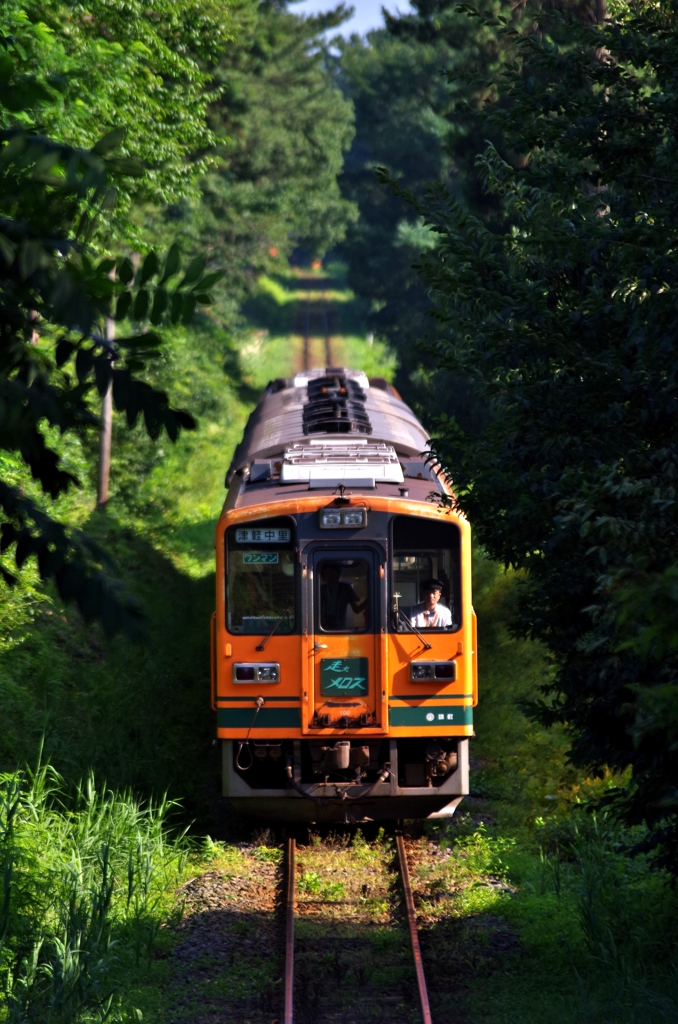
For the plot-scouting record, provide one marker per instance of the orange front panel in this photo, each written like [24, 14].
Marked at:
[432, 697]
[238, 715]
[290, 706]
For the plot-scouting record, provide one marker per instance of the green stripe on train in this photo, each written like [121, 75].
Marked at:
[267, 718]
[432, 717]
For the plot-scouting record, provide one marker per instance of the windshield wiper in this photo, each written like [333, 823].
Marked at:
[263, 643]
[408, 621]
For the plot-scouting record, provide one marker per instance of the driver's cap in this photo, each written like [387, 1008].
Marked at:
[433, 585]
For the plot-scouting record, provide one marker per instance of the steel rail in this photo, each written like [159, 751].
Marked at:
[328, 343]
[414, 934]
[307, 335]
[289, 931]
[290, 895]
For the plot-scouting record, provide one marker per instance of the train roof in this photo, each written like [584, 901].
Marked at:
[330, 425]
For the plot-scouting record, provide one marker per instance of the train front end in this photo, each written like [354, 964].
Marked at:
[343, 642]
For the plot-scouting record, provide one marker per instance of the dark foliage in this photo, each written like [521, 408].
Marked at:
[567, 322]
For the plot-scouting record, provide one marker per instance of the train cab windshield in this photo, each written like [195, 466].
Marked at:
[344, 586]
[260, 575]
[426, 577]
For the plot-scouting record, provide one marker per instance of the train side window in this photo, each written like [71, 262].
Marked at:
[426, 556]
[343, 587]
[260, 578]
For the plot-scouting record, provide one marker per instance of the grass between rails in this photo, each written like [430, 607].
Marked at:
[277, 316]
[558, 926]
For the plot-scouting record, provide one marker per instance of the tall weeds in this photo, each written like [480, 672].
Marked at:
[85, 887]
[625, 912]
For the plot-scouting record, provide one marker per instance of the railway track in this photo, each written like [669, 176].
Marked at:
[289, 908]
[316, 324]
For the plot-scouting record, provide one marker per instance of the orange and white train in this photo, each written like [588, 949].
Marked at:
[344, 667]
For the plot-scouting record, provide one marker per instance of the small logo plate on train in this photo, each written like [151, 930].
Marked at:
[343, 676]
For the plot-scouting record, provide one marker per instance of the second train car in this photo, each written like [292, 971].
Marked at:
[344, 666]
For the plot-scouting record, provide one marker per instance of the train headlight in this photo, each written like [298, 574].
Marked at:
[421, 671]
[347, 518]
[268, 672]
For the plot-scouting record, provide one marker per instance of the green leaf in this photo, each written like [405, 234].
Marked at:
[209, 280]
[150, 267]
[64, 351]
[123, 306]
[23, 92]
[30, 257]
[160, 302]
[149, 339]
[126, 165]
[188, 308]
[7, 249]
[172, 263]
[195, 269]
[109, 142]
[14, 148]
[6, 68]
[109, 200]
[176, 307]
[126, 270]
[141, 303]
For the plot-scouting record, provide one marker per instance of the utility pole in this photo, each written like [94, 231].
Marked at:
[106, 427]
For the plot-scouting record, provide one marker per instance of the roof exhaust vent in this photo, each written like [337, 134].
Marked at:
[336, 405]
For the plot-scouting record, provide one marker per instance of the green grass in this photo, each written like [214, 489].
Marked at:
[88, 880]
[273, 345]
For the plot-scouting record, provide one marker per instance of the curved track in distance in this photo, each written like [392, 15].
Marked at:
[315, 323]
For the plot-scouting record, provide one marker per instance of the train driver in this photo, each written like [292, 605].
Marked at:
[336, 596]
[429, 613]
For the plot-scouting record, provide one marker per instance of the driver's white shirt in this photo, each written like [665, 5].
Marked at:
[439, 618]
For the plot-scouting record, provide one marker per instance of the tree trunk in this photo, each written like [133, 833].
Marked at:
[106, 429]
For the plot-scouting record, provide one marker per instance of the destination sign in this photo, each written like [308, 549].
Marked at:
[265, 536]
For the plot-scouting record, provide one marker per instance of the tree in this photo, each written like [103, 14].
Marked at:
[567, 321]
[51, 279]
[282, 127]
[78, 68]
[417, 116]
[419, 87]
[82, 67]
